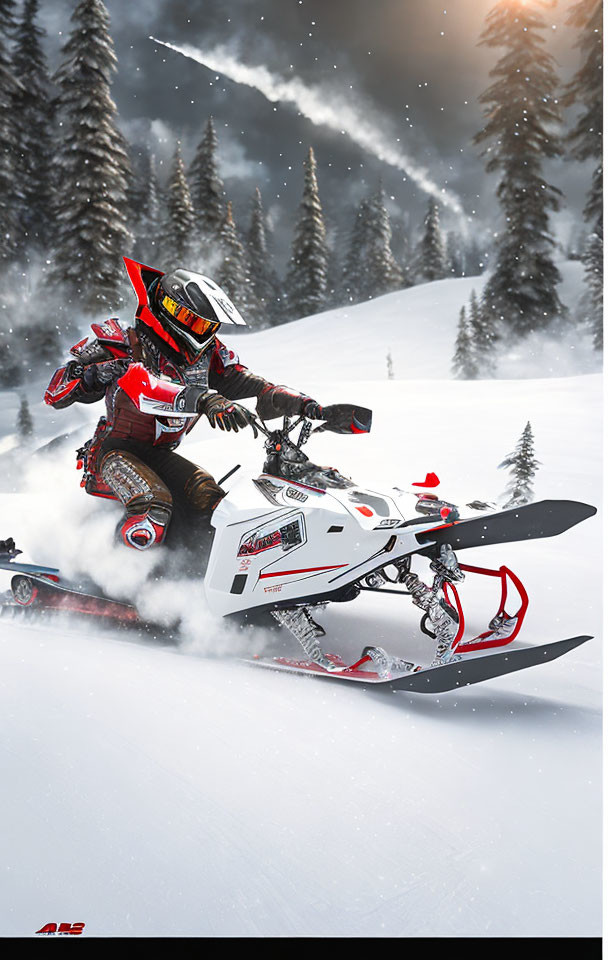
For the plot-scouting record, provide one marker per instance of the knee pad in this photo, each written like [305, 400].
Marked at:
[143, 493]
[202, 492]
[144, 530]
[133, 482]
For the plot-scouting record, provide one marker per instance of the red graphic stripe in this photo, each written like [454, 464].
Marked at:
[282, 573]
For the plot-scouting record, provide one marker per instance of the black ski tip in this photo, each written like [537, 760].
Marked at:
[463, 673]
[544, 518]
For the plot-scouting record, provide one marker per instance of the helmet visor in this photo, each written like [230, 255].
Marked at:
[198, 325]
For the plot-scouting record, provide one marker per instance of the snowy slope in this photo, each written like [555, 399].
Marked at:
[150, 790]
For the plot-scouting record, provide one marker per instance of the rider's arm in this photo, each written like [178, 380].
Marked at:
[158, 397]
[85, 378]
[233, 380]
[78, 382]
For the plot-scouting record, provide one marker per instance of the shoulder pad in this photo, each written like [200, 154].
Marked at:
[111, 335]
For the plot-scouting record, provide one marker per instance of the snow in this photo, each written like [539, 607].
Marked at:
[152, 790]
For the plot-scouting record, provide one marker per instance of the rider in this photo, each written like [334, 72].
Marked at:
[158, 378]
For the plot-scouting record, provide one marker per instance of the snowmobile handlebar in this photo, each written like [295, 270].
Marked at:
[341, 418]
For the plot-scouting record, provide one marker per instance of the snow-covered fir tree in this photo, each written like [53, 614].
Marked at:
[265, 285]
[33, 108]
[382, 273]
[464, 361]
[148, 227]
[25, 424]
[390, 370]
[585, 142]
[455, 258]
[592, 301]
[91, 209]
[400, 245]
[307, 271]
[484, 335]
[520, 132]
[370, 268]
[233, 272]
[179, 229]
[585, 91]
[208, 195]
[475, 260]
[352, 279]
[523, 468]
[431, 259]
[10, 199]
[406, 263]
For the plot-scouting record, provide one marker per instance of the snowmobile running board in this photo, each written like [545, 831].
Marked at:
[440, 679]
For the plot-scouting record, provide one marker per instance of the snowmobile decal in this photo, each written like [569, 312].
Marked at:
[287, 536]
[289, 573]
[254, 545]
[294, 494]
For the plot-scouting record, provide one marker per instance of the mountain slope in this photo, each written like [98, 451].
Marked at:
[161, 791]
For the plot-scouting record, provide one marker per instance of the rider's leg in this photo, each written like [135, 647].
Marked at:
[147, 500]
[193, 492]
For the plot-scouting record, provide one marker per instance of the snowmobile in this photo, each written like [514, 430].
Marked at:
[299, 536]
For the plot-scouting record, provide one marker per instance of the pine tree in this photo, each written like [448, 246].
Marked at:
[407, 267]
[524, 467]
[585, 89]
[521, 115]
[390, 370]
[484, 335]
[33, 109]
[25, 424]
[307, 273]
[233, 274]
[455, 255]
[585, 140]
[353, 284]
[370, 269]
[10, 199]
[464, 365]
[383, 274]
[178, 239]
[93, 170]
[592, 302]
[147, 214]
[208, 195]
[431, 260]
[474, 258]
[265, 285]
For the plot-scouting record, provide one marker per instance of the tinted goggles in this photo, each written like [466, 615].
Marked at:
[197, 324]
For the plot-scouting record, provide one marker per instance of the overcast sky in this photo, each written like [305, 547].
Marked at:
[413, 67]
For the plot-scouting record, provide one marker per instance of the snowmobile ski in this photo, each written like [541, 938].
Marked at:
[439, 679]
[547, 518]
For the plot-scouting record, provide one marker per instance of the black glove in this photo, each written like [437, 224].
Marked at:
[97, 376]
[226, 414]
[73, 370]
[313, 410]
[278, 401]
